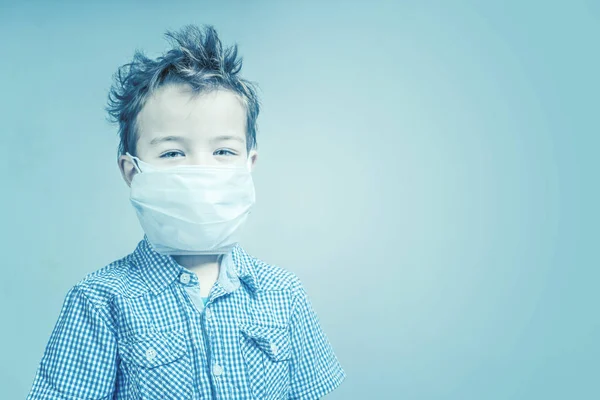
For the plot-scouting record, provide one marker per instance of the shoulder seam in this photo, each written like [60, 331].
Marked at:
[95, 307]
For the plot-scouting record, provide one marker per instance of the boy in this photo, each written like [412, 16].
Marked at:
[189, 314]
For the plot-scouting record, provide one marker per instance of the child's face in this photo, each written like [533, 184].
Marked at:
[177, 128]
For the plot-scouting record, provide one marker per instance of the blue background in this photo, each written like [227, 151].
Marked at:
[429, 170]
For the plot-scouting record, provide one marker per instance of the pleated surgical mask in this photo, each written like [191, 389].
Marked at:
[192, 209]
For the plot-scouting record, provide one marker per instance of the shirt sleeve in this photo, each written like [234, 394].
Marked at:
[315, 370]
[80, 358]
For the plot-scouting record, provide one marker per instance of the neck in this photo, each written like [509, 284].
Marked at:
[196, 261]
[206, 267]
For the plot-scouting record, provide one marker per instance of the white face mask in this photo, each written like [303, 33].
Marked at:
[192, 209]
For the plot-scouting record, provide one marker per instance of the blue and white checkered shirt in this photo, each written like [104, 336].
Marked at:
[137, 329]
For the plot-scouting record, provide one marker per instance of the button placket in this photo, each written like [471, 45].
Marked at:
[218, 370]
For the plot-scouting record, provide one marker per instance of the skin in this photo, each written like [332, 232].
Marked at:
[176, 127]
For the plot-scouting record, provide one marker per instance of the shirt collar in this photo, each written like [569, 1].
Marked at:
[159, 270]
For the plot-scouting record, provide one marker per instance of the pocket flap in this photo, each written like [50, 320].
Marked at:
[153, 349]
[273, 341]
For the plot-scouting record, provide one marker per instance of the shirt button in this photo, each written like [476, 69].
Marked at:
[274, 349]
[218, 370]
[150, 354]
[207, 312]
[184, 278]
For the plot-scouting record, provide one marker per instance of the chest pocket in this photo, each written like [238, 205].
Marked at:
[159, 366]
[266, 352]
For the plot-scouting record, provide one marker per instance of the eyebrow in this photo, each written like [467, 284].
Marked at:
[227, 137]
[170, 138]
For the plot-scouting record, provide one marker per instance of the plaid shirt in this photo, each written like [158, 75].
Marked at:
[137, 329]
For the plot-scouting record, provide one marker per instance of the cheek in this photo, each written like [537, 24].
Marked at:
[231, 160]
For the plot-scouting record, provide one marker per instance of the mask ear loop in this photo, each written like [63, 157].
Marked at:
[134, 160]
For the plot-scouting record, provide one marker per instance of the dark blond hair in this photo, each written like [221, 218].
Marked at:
[198, 59]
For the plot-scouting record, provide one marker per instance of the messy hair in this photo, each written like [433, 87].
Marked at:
[197, 58]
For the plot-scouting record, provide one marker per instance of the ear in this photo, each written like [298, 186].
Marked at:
[127, 168]
[252, 155]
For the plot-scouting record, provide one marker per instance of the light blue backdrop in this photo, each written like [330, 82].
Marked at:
[429, 171]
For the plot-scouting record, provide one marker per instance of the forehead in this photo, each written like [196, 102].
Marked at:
[176, 109]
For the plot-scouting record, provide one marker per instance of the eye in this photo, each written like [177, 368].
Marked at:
[225, 152]
[172, 154]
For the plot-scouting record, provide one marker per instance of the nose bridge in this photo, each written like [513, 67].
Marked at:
[201, 157]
